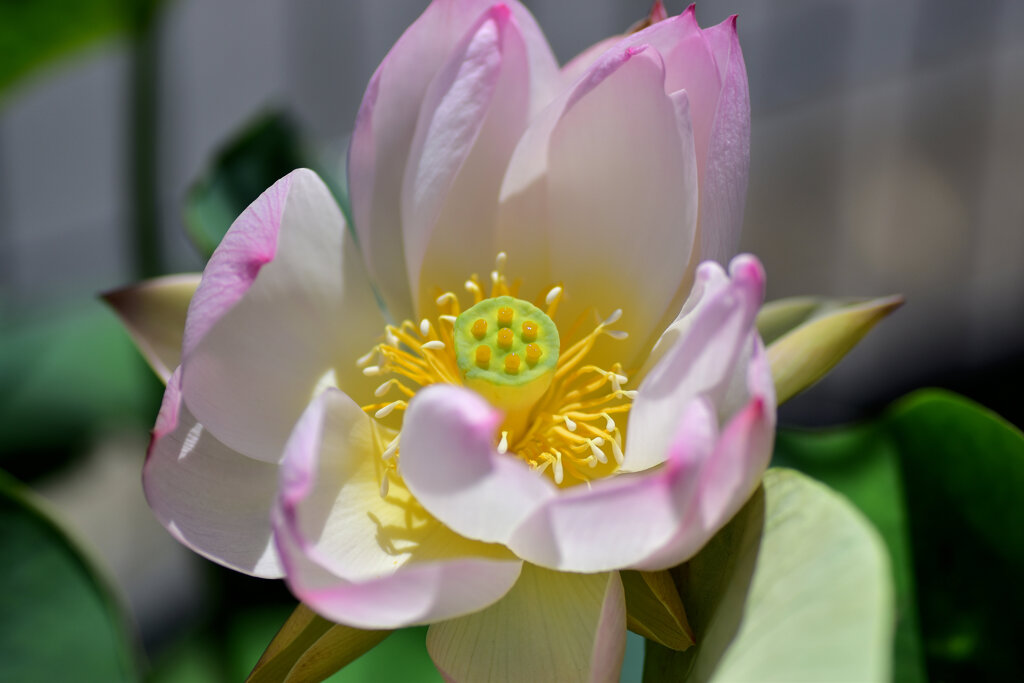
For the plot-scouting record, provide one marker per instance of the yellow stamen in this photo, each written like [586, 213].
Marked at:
[562, 414]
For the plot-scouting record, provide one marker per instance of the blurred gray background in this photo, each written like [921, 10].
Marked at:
[886, 158]
[886, 152]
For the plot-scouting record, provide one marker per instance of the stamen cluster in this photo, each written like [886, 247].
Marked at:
[573, 431]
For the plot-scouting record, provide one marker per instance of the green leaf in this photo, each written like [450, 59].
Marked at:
[863, 464]
[795, 588]
[940, 477]
[803, 355]
[964, 472]
[68, 373]
[60, 618]
[265, 151]
[310, 648]
[35, 33]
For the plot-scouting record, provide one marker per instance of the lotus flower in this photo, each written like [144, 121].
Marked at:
[512, 379]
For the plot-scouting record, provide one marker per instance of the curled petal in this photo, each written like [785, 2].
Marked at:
[366, 559]
[386, 122]
[283, 302]
[621, 521]
[212, 499]
[552, 626]
[724, 174]
[727, 480]
[451, 465]
[703, 361]
[472, 115]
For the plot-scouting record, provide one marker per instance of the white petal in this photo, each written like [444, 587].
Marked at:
[602, 195]
[552, 626]
[283, 301]
[451, 465]
[383, 133]
[212, 499]
[471, 118]
[364, 559]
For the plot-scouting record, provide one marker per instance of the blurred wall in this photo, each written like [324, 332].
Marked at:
[886, 141]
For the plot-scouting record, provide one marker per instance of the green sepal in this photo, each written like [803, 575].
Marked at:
[654, 609]
[310, 648]
[822, 334]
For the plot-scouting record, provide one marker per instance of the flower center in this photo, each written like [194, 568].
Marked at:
[560, 411]
[507, 351]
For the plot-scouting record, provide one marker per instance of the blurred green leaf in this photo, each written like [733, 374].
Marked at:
[264, 151]
[61, 620]
[795, 588]
[68, 373]
[964, 472]
[941, 478]
[34, 33]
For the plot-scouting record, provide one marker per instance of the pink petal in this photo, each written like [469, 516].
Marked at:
[450, 465]
[724, 180]
[364, 559]
[606, 181]
[709, 66]
[578, 65]
[552, 626]
[728, 479]
[689, 65]
[708, 280]
[471, 118]
[387, 120]
[744, 450]
[702, 362]
[622, 521]
[211, 498]
[283, 302]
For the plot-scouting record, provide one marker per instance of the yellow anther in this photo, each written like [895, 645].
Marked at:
[505, 315]
[479, 328]
[529, 331]
[505, 338]
[532, 354]
[483, 356]
[512, 363]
